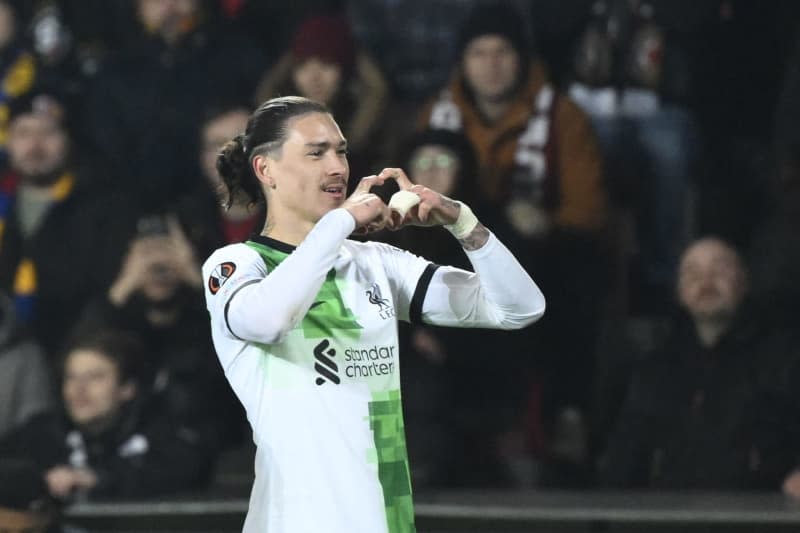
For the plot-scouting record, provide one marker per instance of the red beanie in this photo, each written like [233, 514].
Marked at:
[327, 37]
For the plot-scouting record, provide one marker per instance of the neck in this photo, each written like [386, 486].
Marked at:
[40, 182]
[492, 109]
[286, 227]
[709, 331]
[100, 424]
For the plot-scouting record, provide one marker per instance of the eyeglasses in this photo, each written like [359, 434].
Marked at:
[442, 161]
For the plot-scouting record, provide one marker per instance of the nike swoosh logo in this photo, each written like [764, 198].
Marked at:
[316, 304]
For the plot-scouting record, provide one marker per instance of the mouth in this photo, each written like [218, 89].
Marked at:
[336, 190]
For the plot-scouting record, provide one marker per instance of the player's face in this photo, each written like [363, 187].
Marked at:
[91, 388]
[310, 173]
[491, 66]
[435, 167]
[711, 281]
[37, 147]
[318, 80]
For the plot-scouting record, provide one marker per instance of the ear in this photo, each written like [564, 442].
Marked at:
[261, 168]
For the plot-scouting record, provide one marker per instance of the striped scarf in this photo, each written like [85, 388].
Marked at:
[25, 278]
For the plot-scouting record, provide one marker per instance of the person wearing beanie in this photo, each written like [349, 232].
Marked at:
[325, 64]
[540, 182]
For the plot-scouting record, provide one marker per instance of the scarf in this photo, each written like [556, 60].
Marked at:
[25, 279]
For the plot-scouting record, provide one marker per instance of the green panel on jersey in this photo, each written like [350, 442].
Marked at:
[386, 422]
[328, 315]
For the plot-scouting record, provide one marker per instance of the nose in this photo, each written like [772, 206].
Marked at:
[336, 164]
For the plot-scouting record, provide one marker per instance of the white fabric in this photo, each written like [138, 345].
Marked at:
[309, 393]
[499, 294]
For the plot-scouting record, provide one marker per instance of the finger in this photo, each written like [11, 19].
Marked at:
[398, 175]
[424, 211]
[368, 183]
[395, 221]
[402, 201]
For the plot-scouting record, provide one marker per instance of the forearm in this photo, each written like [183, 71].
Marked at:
[506, 287]
[476, 239]
[499, 294]
[266, 310]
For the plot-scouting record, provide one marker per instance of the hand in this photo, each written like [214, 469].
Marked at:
[184, 259]
[144, 253]
[433, 209]
[152, 255]
[62, 480]
[368, 210]
[428, 345]
[527, 219]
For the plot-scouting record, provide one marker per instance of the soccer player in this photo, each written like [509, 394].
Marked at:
[304, 321]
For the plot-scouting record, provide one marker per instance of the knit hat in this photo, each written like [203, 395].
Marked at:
[496, 19]
[327, 37]
[39, 102]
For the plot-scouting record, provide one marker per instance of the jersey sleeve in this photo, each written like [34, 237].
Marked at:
[499, 294]
[226, 272]
[261, 306]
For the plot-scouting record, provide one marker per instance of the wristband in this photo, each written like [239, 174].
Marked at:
[402, 201]
[465, 223]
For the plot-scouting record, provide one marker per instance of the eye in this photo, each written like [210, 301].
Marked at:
[315, 153]
[342, 151]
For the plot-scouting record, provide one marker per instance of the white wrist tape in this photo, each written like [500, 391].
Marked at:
[465, 223]
[402, 201]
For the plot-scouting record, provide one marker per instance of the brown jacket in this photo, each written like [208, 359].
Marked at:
[572, 153]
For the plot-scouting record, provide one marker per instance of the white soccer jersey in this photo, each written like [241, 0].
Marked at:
[318, 373]
[324, 403]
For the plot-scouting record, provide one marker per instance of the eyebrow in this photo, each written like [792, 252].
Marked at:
[323, 145]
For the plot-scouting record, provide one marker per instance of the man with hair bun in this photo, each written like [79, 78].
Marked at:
[291, 308]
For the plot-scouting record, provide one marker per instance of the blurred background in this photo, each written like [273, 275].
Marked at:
[640, 157]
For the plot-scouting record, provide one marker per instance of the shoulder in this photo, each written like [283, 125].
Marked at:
[230, 267]
[231, 253]
[375, 248]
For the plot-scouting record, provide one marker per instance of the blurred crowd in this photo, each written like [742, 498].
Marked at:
[640, 158]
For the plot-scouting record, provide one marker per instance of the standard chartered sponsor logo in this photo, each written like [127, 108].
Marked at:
[360, 362]
[324, 364]
[368, 362]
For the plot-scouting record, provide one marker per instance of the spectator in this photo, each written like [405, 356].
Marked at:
[208, 221]
[695, 415]
[630, 75]
[157, 296]
[414, 41]
[540, 182]
[18, 69]
[147, 101]
[435, 367]
[102, 447]
[25, 387]
[325, 65]
[62, 234]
